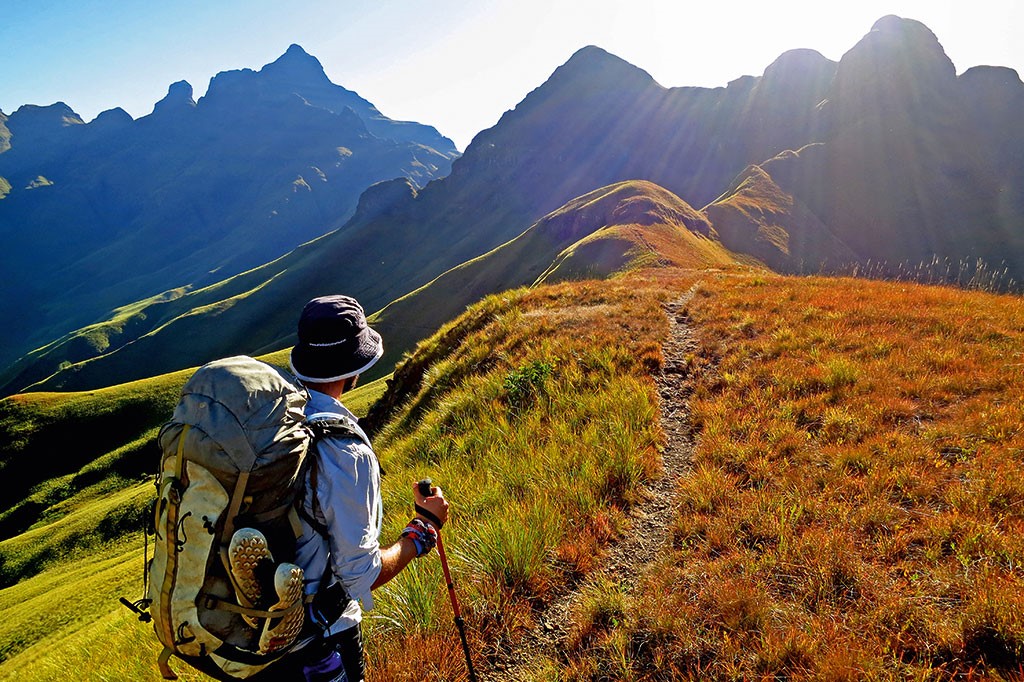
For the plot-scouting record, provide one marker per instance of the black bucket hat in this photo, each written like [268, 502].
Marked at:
[334, 341]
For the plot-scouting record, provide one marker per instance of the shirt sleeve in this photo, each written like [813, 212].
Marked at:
[348, 494]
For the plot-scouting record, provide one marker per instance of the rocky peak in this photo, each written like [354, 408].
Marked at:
[34, 122]
[5, 134]
[111, 119]
[995, 78]
[995, 94]
[897, 69]
[297, 67]
[382, 197]
[178, 100]
[294, 72]
[799, 68]
[593, 66]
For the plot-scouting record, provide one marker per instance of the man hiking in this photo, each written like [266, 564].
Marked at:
[341, 510]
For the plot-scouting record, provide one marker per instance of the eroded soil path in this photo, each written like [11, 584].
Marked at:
[649, 520]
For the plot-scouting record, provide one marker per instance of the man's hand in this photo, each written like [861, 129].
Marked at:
[435, 504]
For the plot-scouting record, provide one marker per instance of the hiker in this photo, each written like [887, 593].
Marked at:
[341, 508]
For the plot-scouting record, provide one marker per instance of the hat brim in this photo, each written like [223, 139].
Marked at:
[323, 364]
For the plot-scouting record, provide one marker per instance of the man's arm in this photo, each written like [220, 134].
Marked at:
[393, 559]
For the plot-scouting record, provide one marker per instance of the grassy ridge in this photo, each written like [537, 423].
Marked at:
[96, 440]
[535, 413]
[604, 233]
[856, 507]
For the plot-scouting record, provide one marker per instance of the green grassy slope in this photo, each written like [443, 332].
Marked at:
[515, 364]
[606, 232]
[96, 444]
[855, 503]
[73, 545]
[88, 440]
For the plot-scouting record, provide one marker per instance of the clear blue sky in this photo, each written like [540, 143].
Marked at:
[457, 65]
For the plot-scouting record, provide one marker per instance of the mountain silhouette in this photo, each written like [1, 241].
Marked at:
[102, 214]
[884, 156]
[915, 163]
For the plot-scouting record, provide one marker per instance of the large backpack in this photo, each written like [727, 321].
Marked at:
[233, 457]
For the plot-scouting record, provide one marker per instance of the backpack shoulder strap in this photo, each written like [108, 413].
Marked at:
[323, 425]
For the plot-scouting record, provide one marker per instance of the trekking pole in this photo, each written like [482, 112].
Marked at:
[426, 490]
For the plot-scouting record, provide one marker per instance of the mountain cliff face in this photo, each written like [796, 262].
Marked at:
[105, 213]
[915, 163]
[606, 231]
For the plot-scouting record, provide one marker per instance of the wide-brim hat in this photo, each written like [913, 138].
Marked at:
[334, 341]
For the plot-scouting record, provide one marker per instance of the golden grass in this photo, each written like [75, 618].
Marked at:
[534, 411]
[856, 505]
[855, 508]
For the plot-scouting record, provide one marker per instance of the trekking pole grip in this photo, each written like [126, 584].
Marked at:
[426, 489]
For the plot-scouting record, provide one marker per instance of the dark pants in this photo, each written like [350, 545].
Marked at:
[349, 645]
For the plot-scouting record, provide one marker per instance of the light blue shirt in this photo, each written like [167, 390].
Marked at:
[349, 505]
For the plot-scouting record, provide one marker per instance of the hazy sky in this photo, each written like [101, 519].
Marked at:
[455, 65]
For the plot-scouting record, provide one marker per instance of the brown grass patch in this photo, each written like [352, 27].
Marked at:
[856, 507]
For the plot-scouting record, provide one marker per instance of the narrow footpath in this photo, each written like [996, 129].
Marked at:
[649, 519]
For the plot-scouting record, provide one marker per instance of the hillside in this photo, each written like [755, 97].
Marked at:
[609, 230]
[97, 444]
[98, 215]
[851, 169]
[854, 507]
[853, 502]
[541, 155]
[755, 216]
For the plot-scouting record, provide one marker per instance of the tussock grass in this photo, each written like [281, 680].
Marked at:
[964, 273]
[856, 506]
[535, 413]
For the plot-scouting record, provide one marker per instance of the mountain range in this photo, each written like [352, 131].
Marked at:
[885, 156]
[101, 214]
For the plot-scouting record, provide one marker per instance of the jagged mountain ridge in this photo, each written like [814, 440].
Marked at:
[537, 158]
[915, 162]
[823, 175]
[189, 194]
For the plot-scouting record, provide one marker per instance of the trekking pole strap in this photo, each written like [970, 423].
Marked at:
[428, 515]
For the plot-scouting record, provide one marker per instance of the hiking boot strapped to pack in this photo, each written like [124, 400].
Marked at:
[224, 597]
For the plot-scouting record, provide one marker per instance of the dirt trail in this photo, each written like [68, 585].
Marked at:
[649, 520]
